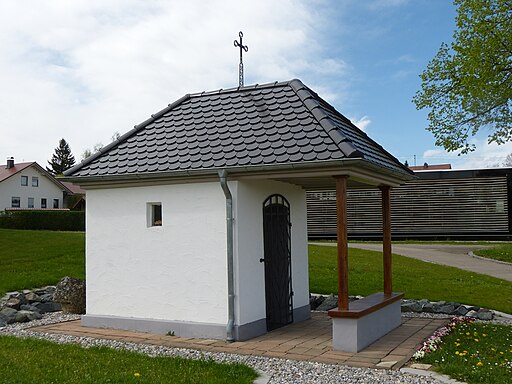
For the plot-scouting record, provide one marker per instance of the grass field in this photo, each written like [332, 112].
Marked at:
[416, 278]
[35, 258]
[38, 361]
[30, 259]
[502, 252]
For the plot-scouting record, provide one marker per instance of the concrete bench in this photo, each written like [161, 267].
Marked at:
[366, 321]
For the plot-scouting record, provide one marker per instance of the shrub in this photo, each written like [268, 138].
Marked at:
[46, 220]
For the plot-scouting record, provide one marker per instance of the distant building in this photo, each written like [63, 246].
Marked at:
[428, 167]
[441, 203]
[29, 186]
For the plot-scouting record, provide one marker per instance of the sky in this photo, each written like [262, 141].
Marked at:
[84, 70]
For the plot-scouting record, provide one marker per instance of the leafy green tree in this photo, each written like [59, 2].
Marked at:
[62, 159]
[468, 85]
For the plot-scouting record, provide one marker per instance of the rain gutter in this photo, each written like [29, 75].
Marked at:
[231, 286]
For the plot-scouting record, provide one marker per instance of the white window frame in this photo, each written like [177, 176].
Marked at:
[14, 205]
[45, 200]
[29, 205]
[24, 181]
[153, 210]
[35, 180]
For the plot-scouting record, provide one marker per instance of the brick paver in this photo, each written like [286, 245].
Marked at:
[309, 340]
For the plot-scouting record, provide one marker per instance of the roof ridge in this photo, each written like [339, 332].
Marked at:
[343, 141]
[311, 102]
[246, 88]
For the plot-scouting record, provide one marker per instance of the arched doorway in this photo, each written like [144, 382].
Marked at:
[277, 258]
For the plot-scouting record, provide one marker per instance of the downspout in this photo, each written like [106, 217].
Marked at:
[231, 285]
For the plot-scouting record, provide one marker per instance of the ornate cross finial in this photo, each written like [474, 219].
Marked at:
[241, 66]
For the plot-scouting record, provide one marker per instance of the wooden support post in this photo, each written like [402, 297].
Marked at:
[386, 239]
[342, 246]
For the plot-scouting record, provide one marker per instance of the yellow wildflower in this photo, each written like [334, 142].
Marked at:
[136, 374]
[479, 364]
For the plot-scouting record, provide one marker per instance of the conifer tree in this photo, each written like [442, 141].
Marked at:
[62, 159]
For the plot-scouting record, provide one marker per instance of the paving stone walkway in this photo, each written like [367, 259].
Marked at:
[309, 340]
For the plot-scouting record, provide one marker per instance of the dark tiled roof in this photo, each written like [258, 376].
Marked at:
[264, 125]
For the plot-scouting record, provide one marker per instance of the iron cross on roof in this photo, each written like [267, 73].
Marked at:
[241, 66]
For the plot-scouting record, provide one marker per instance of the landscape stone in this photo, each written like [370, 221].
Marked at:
[13, 303]
[29, 307]
[472, 313]
[70, 294]
[20, 297]
[32, 297]
[49, 306]
[8, 314]
[447, 308]
[460, 311]
[484, 314]
[411, 306]
[330, 302]
[46, 297]
[29, 315]
[42, 291]
[21, 317]
[428, 307]
[3, 323]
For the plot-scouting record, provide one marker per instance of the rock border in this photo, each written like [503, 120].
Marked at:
[325, 303]
[27, 305]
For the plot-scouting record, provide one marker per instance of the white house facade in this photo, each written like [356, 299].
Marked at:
[172, 277]
[28, 186]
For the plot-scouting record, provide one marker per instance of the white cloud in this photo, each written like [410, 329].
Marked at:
[362, 123]
[433, 153]
[84, 69]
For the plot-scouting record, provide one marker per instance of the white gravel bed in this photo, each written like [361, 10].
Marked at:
[279, 370]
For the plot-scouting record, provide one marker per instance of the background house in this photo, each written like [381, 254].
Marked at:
[29, 186]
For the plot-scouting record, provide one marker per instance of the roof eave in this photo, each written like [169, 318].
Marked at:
[333, 167]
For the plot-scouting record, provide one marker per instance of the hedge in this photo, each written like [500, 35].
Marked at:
[45, 220]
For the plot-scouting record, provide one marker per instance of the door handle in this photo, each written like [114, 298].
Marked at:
[262, 260]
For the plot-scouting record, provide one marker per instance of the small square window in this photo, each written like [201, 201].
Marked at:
[154, 214]
[24, 181]
[35, 181]
[43, 203]
[55, 203]
[15, 202]
[30, 202]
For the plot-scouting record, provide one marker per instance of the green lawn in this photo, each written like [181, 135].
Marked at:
[501, 252]
[417, 279]
[39, 361]
[30, 259]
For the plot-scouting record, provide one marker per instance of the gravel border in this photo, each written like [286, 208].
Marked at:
[278, 371]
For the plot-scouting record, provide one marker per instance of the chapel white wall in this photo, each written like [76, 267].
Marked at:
[12, 187]
[250, 277]
[173, 272]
